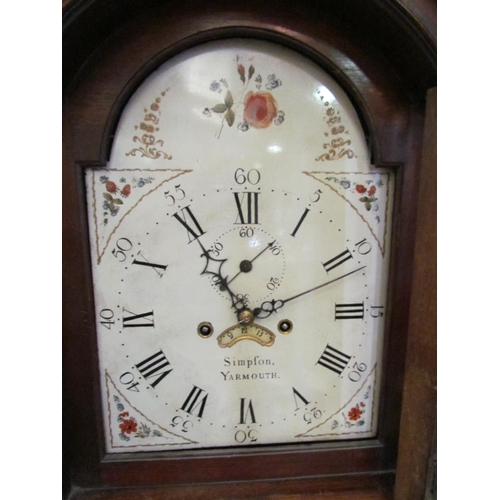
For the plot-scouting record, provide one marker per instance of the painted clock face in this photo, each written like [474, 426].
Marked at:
[240, 243]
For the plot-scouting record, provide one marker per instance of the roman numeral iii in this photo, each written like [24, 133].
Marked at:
[349, 311]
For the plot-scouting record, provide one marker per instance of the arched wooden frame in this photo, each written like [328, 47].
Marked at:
[391, 107]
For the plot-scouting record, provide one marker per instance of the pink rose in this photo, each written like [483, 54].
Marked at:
[260, 109]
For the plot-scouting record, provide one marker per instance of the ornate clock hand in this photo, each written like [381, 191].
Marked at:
[214, 267]
[268, 307]
[246, 265]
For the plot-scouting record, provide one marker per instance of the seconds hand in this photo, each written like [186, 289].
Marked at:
[246, 265]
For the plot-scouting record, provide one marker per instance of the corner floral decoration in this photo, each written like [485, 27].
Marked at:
[130, 427]
[150, 127]
[260, 108]
[114, 194]
[354, 417]
[368, 190]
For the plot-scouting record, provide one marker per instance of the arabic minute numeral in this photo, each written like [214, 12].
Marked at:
[363, 247]
[314, 413]
[123, 245]
[246, 436]
[180, 194]
[107, 315]
[355, 375]
[185, 424]
[253, 176]
[128, 380]
[273, 282]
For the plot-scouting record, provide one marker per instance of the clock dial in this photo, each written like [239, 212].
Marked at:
[240, 244]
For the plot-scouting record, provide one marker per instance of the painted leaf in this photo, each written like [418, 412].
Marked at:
[118, 201]
[219, 108]
[251, 71]
[228, 100]
[230, 117]
[107, 196]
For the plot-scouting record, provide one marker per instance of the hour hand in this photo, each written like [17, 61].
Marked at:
[213, 268]
[268, 307]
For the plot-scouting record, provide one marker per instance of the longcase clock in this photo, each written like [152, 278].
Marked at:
[240, 198]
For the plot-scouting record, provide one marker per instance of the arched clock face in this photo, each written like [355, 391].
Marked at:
[240, 242]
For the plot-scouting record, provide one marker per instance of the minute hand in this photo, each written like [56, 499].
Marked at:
[268, 307]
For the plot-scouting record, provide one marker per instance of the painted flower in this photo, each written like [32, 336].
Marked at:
[110, 187]
[280, 118]
[128, 426]
[215, 86]
[372, 190]
[360, 189]
[123, 414]
[354, 414]
[272, 82]
[126, 190]
[260, 109]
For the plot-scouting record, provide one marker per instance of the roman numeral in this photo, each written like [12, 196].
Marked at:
[333, 359]
[246, 410]
[154, 367]
[306, 211]
[138, 320]
[296, 394]
[145, 262]
[337, 260]
[188, 220]
[247, 205]
[349, 311]
[194, 402]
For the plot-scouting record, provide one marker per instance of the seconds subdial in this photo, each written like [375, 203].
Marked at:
[255, 263]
